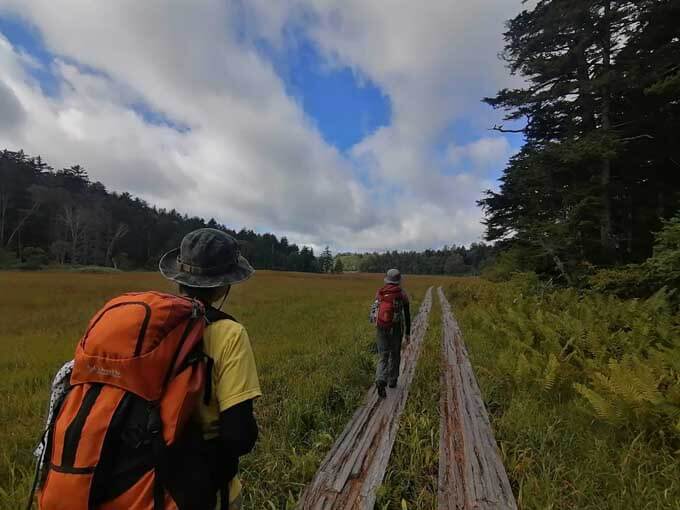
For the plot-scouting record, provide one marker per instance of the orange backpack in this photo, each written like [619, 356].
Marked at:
[124, 436]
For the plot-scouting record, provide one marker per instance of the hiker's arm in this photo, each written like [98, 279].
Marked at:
[236, 386]
[238, 429]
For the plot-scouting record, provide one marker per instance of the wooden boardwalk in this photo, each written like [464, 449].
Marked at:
[471, 473]
[354, 468]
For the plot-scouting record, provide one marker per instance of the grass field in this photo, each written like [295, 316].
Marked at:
[583, 390]
[312, 342]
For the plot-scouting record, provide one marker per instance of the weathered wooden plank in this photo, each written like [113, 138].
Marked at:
[471, 473]
[355, 466]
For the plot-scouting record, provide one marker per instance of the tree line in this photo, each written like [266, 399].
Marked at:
[50, 216]
[599, 171]
[61, 216]
[453, 260]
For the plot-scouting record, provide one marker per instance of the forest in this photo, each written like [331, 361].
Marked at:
[64, 218]
[450, 260]
[599, 172]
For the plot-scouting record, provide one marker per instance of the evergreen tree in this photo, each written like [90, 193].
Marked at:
[596, 172]
[326, 260]
[338, 268]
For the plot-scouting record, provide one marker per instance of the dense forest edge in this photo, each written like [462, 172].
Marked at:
[592, 197]
[576, 340]
[60, 217]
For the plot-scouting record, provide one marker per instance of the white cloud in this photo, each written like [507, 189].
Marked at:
[250, 156]
[483, 155]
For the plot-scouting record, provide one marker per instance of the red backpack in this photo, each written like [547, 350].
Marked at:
[124, 436]
[389, 306]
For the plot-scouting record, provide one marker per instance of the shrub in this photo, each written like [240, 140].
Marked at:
[33, 258]
[504, 266]
[93, 269]
[8, 259]
[663, 267]
[625, 282]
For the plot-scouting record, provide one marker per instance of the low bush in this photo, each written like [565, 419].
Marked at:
[93, 269]
[624, 282]
[8, 259]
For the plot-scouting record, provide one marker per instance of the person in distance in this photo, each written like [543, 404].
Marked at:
[391, 314]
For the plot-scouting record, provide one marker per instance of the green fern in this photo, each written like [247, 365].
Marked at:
[603, 408]
[550, 375]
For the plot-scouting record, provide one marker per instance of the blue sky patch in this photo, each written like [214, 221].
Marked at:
[28, 39]
[345, 107]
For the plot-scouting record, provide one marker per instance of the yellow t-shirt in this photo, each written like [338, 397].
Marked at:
[234, 380]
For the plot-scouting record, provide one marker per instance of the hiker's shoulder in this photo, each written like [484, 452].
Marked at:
[223, 329]
[214, 316]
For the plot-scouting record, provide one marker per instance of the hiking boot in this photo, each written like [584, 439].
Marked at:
[380, 386]
[393, 384]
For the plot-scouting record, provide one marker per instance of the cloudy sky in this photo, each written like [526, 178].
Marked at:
[352, 123]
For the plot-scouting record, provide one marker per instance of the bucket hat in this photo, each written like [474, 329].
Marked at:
[206, 258]
[393, 276]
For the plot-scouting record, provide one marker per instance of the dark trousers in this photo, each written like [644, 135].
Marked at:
[389, 355]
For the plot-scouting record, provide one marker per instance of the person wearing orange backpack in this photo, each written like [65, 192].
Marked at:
[392, 315]
[205, 266]
[156, 408]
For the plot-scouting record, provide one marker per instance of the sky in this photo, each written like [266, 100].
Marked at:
[355, 124]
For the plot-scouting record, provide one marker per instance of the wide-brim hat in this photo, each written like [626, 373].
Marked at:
[206, 258]
[393, 276]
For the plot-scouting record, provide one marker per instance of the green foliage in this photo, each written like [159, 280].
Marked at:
[450, 260]
[642, 394]
[326, 260]
[78, 222]
[339, 266]
[663, 267]
[505, 264]
[34, 258]
[599, 94]
[583, 390]
[350, 261]
[624, 282]
[661, 270]
[8, 259]
[93, 269]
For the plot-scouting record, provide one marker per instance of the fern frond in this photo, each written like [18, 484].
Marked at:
[551, 373]
[603, 408]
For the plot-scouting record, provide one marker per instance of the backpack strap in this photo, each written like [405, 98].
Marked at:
[212, 315]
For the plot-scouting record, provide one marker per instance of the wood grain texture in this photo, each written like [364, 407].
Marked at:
[471, 473]
[351, 473]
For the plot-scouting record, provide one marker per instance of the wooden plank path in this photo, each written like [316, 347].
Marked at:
[354, 468]
[471, 473]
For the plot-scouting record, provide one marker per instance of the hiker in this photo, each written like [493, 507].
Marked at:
[392, 315]
[157, 406]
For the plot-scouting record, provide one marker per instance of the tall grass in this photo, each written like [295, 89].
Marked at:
[583, 391]
[312, 343]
